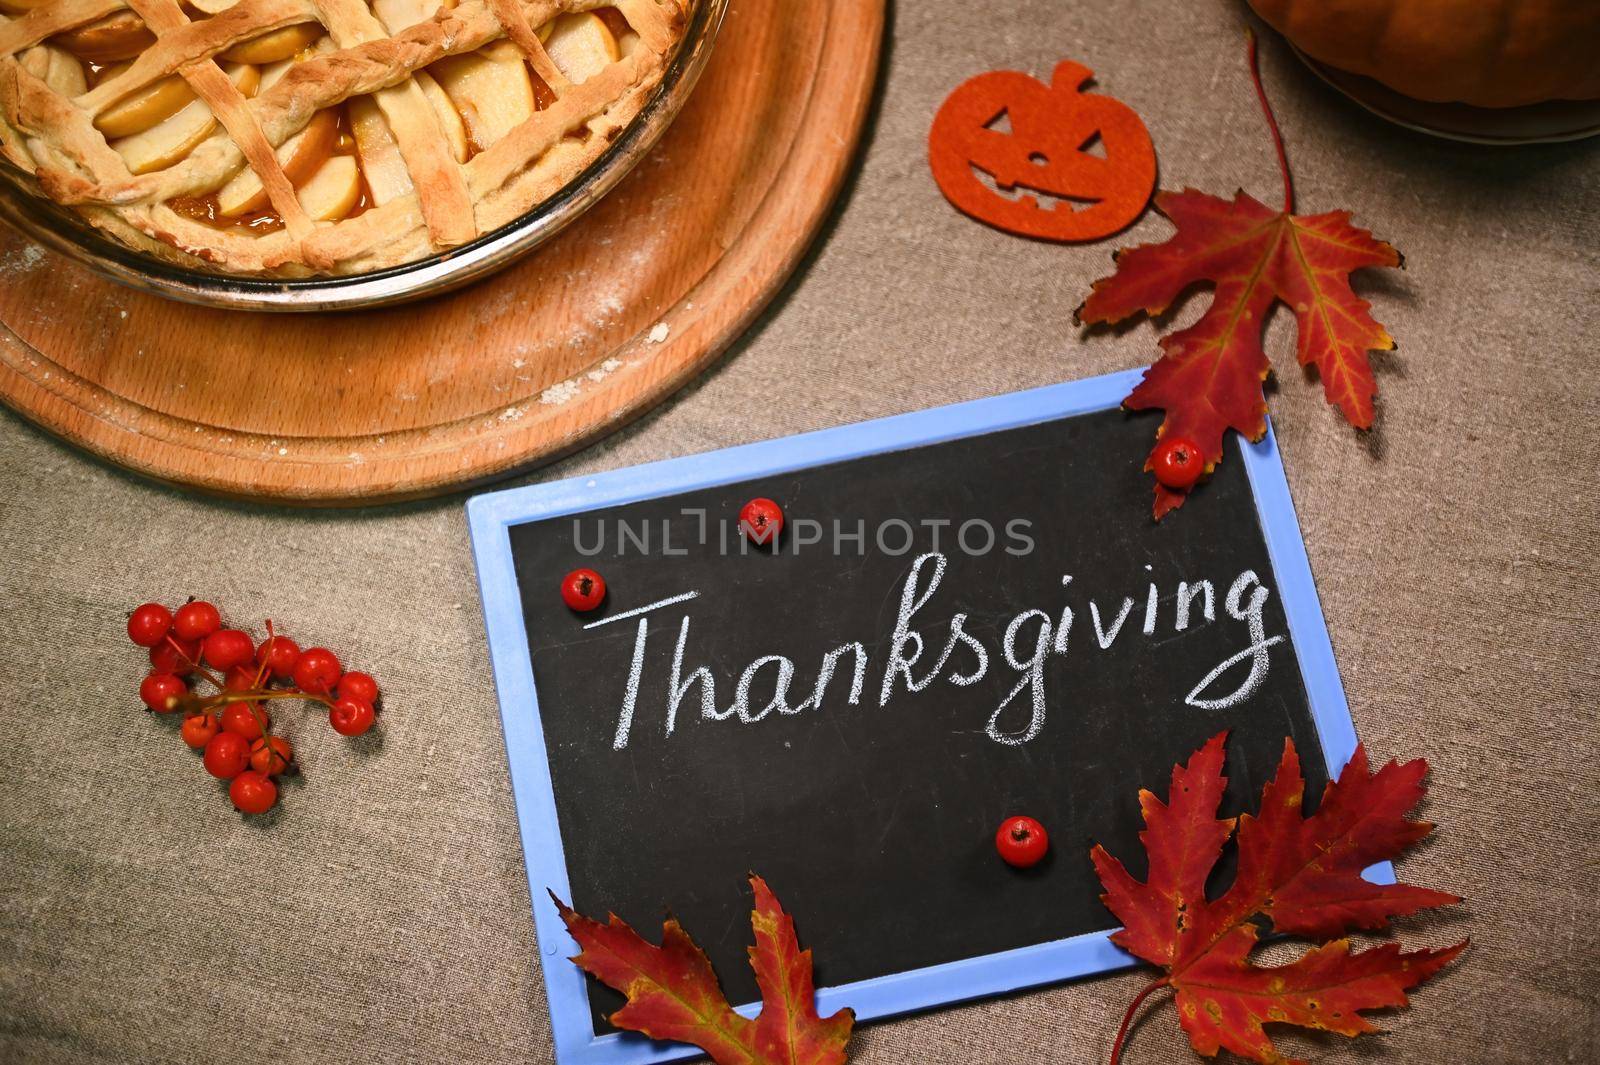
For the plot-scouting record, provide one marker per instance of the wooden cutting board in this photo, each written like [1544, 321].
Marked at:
[626, 306]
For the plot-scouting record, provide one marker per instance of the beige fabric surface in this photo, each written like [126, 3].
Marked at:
[383, 914]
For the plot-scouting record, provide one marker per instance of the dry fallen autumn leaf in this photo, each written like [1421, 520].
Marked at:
[1209, 377]
[1301, 873]
[673, 994]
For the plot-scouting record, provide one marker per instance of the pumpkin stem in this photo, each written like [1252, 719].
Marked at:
[1272, 123]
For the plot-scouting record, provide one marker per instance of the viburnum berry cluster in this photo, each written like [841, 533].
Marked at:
[232, 726]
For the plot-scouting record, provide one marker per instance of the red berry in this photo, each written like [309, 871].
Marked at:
[161, 692]
[240, 679]
[583, 589]
[182, 659]
[270, 755]
[317, 671]
[762, 521]
[358, 686]
[238, 717]
[1177, 463]
[198, 729]
[227, 648]
[196, 620]
[351, 717]
[148, 625]
[227, 753]
[279, 654]
[253, 792]
[1021, 841]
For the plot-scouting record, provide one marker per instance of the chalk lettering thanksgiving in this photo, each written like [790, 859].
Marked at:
[913, 663]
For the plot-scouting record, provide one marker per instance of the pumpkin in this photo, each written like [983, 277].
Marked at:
[1490, 53]
[1089, 154]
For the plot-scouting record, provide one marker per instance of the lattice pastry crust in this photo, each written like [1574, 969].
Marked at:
[301, 137]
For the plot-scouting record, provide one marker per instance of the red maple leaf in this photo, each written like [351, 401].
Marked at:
[673, 994]
[1303, 874]
[1209, 377]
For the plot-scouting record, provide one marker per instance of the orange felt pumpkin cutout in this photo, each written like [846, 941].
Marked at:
[1033, 139]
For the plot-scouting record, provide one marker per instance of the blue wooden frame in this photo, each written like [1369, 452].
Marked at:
[490, 517]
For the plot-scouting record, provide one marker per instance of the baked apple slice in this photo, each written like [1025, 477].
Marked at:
[380, 157]
[285, 43]
[58, 69]
[580, 45]
[490, 88]
[627, 39]
[450, 124]
[333, 191]
[109, 40]
[172, 139]
[154, 103]
[301, 156]
[396, 15]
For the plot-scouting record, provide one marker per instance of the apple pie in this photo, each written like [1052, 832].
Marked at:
[292, 138]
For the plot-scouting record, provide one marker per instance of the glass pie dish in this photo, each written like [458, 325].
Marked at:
[443, 208]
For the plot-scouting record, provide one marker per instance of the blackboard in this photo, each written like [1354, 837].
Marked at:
[1080, 647]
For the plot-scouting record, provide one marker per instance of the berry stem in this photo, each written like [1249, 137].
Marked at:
[260, 694]
[1272, 122]
[195, 662]
[263, 669]
[261, 722]
[1127, 1018]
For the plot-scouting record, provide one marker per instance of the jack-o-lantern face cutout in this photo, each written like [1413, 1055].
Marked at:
[1036, 144]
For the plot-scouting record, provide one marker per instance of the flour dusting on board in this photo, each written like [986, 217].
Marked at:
[610, 307]
[23, 260]
[565, 391]
[559, 393]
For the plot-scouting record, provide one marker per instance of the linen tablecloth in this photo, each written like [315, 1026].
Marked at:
[383, 914]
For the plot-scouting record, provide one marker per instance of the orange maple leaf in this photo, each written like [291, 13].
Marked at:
[1209, 377]
[673, 993]
[1303, 874]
